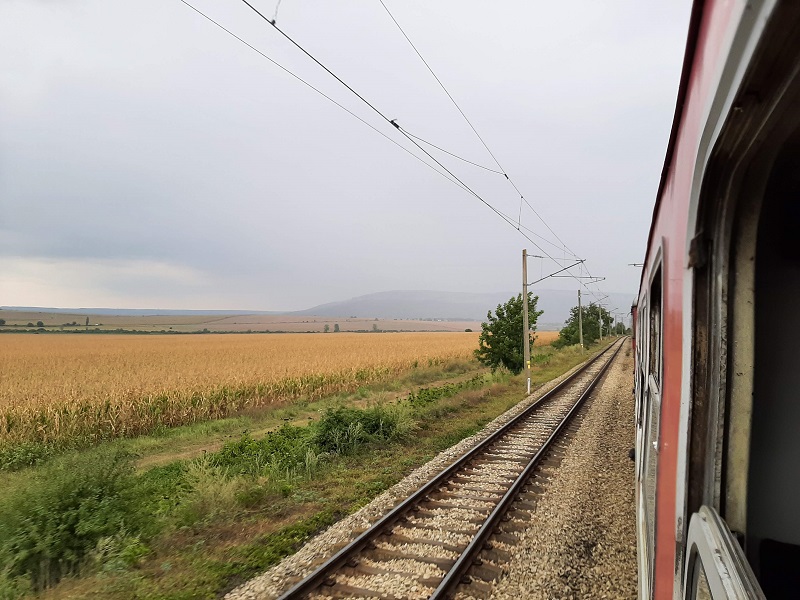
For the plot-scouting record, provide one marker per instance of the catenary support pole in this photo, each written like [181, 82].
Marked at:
[580, 319]
[526, 338]
[600, 310]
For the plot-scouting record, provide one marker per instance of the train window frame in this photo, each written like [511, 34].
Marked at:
[712, 547]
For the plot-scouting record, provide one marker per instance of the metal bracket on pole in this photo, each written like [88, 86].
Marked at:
[553, 274]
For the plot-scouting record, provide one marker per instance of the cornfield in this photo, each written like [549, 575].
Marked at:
[545, 338]
[57, 388]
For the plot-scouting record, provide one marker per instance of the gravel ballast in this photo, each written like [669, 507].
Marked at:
[581, 541]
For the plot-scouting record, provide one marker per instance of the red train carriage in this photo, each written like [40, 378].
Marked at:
[717, 323]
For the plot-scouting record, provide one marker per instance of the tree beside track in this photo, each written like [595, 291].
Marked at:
[501, 341]
[591, 316]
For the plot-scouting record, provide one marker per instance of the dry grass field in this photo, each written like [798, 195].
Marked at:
[545, 338]
[56, 388]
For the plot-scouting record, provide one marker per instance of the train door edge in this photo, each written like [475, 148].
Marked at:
[648, 415]
[755, 161]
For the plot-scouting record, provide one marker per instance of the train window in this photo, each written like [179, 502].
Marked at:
[701, 589]
[745, 452]
[749, 468]
[655, 327]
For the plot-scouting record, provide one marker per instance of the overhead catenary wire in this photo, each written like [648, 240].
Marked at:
[449, 176]
[539, 236]
[485, 145]
[445, 172]
[478, 135]
[412, 140]
[390, 121]
[439, 81]
[317, 90]
[424, 141]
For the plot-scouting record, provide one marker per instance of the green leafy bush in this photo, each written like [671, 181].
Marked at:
[541, 360]
[14, 457]
[284, 449]
[50, 528]
[343, 430]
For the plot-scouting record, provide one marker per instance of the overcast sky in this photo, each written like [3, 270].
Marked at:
[150, 160]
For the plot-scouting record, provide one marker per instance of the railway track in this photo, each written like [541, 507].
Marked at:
[449, 537]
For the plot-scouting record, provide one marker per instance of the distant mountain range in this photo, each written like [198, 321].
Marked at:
[460, 306]
[400, 304]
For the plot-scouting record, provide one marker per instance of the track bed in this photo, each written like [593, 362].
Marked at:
[457, 533]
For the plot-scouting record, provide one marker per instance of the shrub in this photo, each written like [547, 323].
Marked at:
[284, 449]
[119, 551]
[51, 527]
[24, 454]
[425, 396]
[342, 430]
[213, 493]
[290, 453]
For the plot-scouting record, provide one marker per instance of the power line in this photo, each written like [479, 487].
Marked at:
[449, 175]
[452, 177]
[424, 141]
[541, 237]
[317, 90]
[408, 136]
[463, 114]
[312, 57]
[439, 81]
[388, 120]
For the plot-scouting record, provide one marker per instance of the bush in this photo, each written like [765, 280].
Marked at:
[290, 453]
[24, 454]
[52, 527]
[213, 493]
[342, 430]
[284, 449]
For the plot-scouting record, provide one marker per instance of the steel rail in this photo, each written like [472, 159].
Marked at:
[320, 574]
[454, 576]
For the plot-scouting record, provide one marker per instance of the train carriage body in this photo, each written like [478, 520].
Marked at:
[715, 322]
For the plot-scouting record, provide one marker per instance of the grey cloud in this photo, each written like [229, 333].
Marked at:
[142, 133]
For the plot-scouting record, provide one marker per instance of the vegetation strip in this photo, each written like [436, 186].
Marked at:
[194, 528]
[95, 390]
